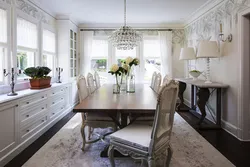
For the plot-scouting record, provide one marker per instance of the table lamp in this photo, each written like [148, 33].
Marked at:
[187, 54]
[208, 49]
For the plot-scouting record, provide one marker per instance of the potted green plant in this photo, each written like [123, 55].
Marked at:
[39, 77]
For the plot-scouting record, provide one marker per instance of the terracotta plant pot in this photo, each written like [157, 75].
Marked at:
[40, 83]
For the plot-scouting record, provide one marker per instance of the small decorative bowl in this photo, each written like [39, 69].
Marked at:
[195, 74]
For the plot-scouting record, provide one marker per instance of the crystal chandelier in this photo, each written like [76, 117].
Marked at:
[125, 38]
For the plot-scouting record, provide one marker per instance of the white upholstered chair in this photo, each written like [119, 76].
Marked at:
[91, 83]
[166, 79]
[153, 80]
[157, 83]
[151, 144]
[97, 80]
[90, 119]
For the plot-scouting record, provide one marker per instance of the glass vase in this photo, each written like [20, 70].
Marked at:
[130, 88]
[116, 86]
[123, 83]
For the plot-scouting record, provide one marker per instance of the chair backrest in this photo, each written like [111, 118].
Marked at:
[157, 83]
[83, 91]
[153, 80]
[164, 117]
[91, 83]
[166, 79]
[97, 80]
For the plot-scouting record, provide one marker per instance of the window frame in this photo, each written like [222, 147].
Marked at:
[153, 37]
[22, 15]
[43, 52]
[7, 45]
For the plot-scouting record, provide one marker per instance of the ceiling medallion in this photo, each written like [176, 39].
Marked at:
[125, 38]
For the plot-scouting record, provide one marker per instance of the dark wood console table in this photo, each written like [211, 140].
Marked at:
[200, 89]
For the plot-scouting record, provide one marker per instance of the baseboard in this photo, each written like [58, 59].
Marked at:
[233, 130]
[18, 149]
[187, 102]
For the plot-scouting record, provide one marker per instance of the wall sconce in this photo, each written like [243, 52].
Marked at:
[221, 36]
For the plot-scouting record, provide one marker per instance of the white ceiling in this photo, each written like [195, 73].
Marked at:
[111, 11]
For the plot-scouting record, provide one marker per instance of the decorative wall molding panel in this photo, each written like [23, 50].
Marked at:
[208, 25]
[178, 36]
[33, 11]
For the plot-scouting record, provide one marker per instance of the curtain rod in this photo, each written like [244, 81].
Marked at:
[134, 29]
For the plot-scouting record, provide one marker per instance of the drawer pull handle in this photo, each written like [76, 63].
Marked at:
[62, 108]
[53, 93]
[17, 105]
[53, 103]
[27, 102]
[42, 108]
[53, 113]
[61, 98]
[27, 130]
[27, 115]
[42, 120]
[42, 97]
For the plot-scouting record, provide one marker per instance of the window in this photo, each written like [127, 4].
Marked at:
[99, 58]
[123, 54]
[26, 45]
[73, 63]
[151, 51]
[49, 50]
[3, 42]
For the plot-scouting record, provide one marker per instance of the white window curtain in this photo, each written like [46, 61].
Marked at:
[86, 39]
[165, 38]
[3, 26]
[26, 34]
[49, 41]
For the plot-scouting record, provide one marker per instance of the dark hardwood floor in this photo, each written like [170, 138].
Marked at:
[236, 151]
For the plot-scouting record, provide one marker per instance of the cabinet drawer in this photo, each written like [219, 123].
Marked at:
[30, 101]
[55, 111]
[33, 127]
[32, 113]
[54, 101]
[57, 91]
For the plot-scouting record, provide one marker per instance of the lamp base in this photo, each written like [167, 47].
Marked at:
[12, 94]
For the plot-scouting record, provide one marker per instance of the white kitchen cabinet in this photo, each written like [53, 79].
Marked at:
[27, 116]
[8, 127]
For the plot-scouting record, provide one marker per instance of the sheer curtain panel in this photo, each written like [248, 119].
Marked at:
[165, 38]
[3, 26]
[86, 39]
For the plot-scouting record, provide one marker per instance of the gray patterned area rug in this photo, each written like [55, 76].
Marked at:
[64, 149]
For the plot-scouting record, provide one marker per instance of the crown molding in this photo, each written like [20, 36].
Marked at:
[42, 7]
[209, 5]
[116, 25]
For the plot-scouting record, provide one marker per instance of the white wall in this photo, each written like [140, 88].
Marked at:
[225, 69]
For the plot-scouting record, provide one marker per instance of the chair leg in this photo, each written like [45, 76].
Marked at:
[151, 162]
[142, 162]
[111, 155]
[89, 134]
[83, 136]
[169, 156]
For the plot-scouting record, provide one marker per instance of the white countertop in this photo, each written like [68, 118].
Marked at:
[201, 83]
[26, 92]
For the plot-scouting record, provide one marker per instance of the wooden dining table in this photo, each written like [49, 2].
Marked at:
[143, 101]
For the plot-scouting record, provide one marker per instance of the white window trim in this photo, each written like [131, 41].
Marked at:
[37, 55]
[55, 54]
[7, 45]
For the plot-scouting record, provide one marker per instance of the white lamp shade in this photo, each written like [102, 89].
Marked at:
[187, 54]
[208, 49]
